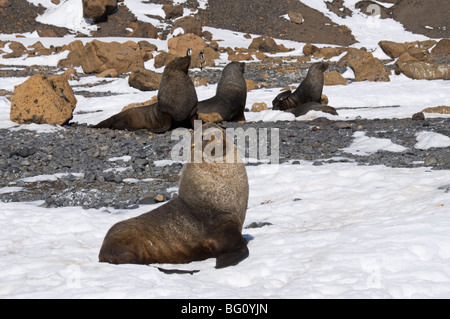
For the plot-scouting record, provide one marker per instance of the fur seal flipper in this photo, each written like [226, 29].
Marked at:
[204, 221]
[310, 90]
[231, 95]
[312, 106]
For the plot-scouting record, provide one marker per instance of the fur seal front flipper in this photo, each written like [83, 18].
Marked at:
[231, 95]
[310, 90]
[312, 106]
[145, 117]
[204, 221]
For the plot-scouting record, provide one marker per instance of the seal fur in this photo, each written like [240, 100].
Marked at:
[204, 221]
[231, 95]
[310, 90]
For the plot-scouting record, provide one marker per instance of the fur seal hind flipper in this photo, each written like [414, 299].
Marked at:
[233, 247]
[312, 106]
[284, 101]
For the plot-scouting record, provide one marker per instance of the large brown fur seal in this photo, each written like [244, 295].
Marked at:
[231, 95]
[177, 100]
[307, 96]
[204, 221]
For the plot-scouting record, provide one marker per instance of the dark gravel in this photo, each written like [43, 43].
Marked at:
[89, 179]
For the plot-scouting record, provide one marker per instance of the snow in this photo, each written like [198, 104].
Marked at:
[378, 233]
[338, 230]
[365, 145]
[427, 140]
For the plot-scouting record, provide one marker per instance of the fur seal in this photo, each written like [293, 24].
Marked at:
[204, 221]
[176, 95]
[177, 100]
[310, 90]
[145, 117]
[231, 95]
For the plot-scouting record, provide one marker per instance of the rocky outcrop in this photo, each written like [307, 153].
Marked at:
[98, 10]
[365, 66]
[144, 80]
[334, 78]
[421, 70]
[178, 46]
[268, 45]
[43, 100]
[97, 56]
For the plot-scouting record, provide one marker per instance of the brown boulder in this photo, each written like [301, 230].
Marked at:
[97, 56]
[392, 49]
[5, 3]
[309, 49]
[178, 46]
[295, 17]
[442, 47]
[443, 109]
[172, 11]
[334, 78]
[18, 49]
[43, 100]
[267, 44]
[144, 80]
[189, 25]
[98, 10]
[365, 66]
[421, 70]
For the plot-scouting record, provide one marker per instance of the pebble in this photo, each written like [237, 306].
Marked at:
[103, 183]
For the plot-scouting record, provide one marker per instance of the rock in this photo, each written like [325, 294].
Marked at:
[258, 107]
[144, 80]
[438, 109]
[189, 24]
[442, 47]
[98, 10]
[421, 70]
[251, 85]
[149, 102]
[309, 49]
[324, 99]
[178, 46]
[267, 44]
[5, 3]
[334, 78]
[163, 59]
[210, 117]
[172, 11]
[110, 73]
[392, 49]
[327, 52]
[295, 17]
[365, 66]
[43, 100]
[18, 49]
[97, 56]
[419, 116]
